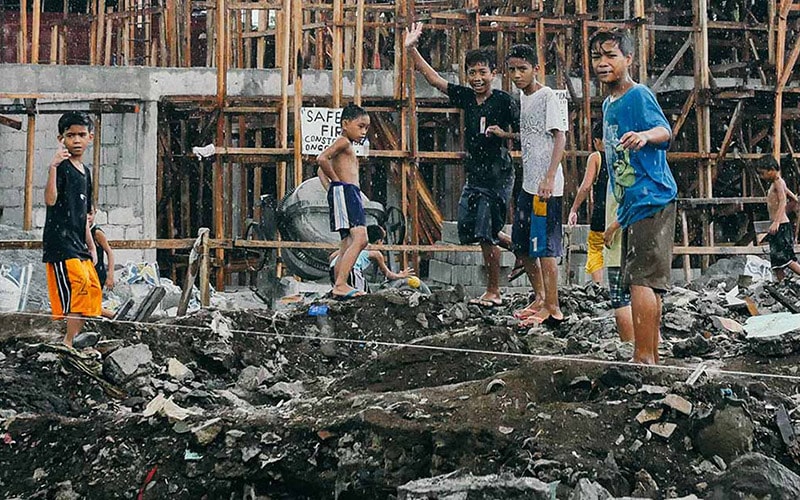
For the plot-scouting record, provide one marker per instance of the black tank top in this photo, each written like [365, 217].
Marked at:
[598, 220]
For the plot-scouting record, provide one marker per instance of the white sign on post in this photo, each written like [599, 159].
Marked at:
[563, 104]
[321, 127]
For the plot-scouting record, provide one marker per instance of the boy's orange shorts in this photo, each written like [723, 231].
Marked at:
[74, 288]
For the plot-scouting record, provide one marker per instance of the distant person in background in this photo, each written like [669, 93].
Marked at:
[104, 273]
[595, 180]
[781, 233]
[356, 279]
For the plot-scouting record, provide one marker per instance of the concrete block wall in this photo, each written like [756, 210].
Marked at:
[466, 268]
[121, 192]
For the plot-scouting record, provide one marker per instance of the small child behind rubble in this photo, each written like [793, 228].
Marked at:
[339, 167]
[104, 272]
[376, 234]
[781, 234]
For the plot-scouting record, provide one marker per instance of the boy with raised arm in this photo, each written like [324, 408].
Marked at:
[488, 115]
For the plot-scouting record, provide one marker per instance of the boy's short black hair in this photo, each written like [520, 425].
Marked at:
[621, 37]
[524, 51]
[767, 162]
[74, 118]
[375, 233]
[353, 111]
[597, 130]
[480, 56]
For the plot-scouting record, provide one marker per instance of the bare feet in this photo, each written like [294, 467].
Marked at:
[544, 317]
[529, 310]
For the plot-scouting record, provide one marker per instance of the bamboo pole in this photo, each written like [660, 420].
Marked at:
[413, 145]
[22, 46]
[27, 218]
[297, 20]
[218, 186]
[702, 113]
[37, 10]
[359, 62]
[780, 69]
[586, 84]
[641, 39]
[98, 139]
[100, 41]
[336, 52]
[107, 50]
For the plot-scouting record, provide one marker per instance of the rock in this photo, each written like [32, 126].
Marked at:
[47, 357]
[589, 490]
[492, 487]
[755, 476]
[2, 356]
[656, 390]
[773, 334]
[123, 364]
[729, 435]
[206, 432]
[286, 390]
[85, 339]
[178, 370]
[65, 492]
[618, 377]
[611, 478]
[645, 485]
[232, 436]
[727, 324]
[422, 320]
[695, 346]
[586, 413]
[252, 376]
[328, 349]
[678, 404]
[679, 320]
[663, 429]
[648, 415]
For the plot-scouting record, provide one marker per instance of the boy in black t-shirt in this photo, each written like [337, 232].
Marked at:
[68, 248]
[488, 115]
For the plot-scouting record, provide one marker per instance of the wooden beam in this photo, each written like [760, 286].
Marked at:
[674, 62]
[218, 190]
[297, 21]
[359, 62]
[11, 122]
[687, 107]
[22, 52]
[27, 218]
[35, 27]
[98, 140]
[788, 66]
[336, 53]
[734, 122]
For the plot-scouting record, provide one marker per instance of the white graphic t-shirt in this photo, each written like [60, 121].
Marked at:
[539, 114]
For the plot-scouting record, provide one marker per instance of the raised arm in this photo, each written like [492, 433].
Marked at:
[430, 74]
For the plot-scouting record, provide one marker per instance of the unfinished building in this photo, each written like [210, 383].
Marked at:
[162, 77]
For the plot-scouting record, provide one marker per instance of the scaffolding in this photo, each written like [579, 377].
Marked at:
[722, 75]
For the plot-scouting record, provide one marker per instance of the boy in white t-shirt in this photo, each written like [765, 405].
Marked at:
[539, 200]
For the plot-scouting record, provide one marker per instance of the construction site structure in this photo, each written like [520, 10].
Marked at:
[722, 72]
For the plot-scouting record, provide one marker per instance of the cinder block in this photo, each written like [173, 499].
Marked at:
[133, 233]
[507, 259]
[11, 197]
[450, 232]
[469, 275]
[12, 216]
[13, 177]
[109, 196]
[440, 271]
[114, 232]
[108, 175]
[101, 218]
[130, 196]
[39, 216]
[121, 216]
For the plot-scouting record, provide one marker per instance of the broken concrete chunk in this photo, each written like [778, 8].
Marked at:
[589, 490]
[206, 432]
[469, 487]
[252, 376]
[648, 415]
[695, 346]
[286, 390]
[178, 370]
[663, 429]
[85, 339]
[727, 324]
[754, 475]
[645, 486]
[586, 413]
[123, 364]
[730, 434]
[167, 408]
[658, 390]
[678, 404]
[771, 325]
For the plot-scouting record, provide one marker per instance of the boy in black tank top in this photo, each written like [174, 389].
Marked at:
[68, 249]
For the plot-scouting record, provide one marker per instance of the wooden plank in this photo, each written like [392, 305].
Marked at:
[96, 149]
[22, 52]
[27, 218]
[336, 54]
[789, 65]
[11, 122]
[687, 107]
[734, 122]
[674, 62]
[297, 22]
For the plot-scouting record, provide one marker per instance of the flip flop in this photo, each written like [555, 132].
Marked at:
[516, 273]
[488, 303]
[349, 295]
[549, 321]
[521, 314]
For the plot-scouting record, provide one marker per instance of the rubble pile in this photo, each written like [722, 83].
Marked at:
[397, 395]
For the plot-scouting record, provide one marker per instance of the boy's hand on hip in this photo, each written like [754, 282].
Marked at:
[633, 140]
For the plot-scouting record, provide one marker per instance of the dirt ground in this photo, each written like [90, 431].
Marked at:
[335, 412]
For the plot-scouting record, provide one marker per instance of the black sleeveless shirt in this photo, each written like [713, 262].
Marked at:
[599, 189]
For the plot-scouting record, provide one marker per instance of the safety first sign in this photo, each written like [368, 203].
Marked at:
[321, 127]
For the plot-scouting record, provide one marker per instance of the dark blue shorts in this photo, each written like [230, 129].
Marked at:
[781, 246]
[528, 244]
[345, 207]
